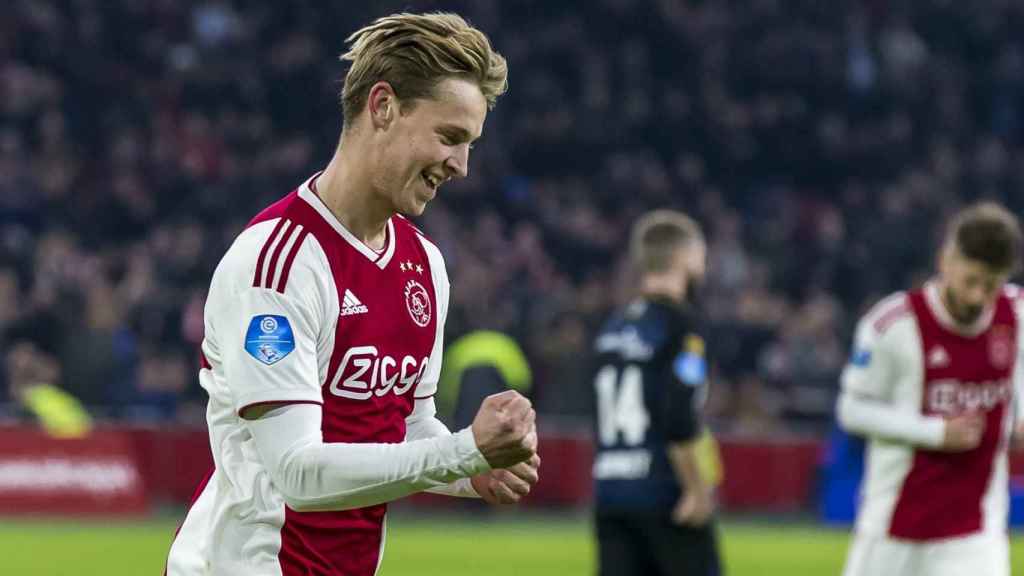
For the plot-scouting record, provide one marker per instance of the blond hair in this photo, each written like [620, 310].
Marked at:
[657, 235]
[415, 52]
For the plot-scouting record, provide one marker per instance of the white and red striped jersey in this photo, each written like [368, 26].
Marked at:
[910, 355]
[300, 311]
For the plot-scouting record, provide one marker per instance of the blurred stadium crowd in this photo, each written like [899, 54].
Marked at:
[820, 144]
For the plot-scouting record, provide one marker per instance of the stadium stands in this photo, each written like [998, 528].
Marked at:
[821, 148]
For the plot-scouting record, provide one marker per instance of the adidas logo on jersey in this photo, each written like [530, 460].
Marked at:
[938, 357]
[351, 305]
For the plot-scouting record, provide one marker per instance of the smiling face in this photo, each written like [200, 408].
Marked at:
[423, 143]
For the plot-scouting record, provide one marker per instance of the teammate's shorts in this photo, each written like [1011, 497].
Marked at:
[976, 555]
[634, 545]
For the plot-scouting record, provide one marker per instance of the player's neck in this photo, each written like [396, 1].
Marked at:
[663, 288]
[348, 192]
[942, 307]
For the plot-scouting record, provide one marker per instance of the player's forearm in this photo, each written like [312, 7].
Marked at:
[313, 475]
[866, 417]
[345, 476]
[683, 457]
[431, 427]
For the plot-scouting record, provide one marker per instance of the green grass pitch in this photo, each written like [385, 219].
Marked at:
[421, 546]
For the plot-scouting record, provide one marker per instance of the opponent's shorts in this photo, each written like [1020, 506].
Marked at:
[636, 545]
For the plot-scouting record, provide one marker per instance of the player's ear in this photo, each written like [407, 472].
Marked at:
[943, 258]
[382, 105]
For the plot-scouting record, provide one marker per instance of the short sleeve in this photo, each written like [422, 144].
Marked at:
[688, 387]
[269, 349]
[870, 368]
[264, 342]
[439, 276]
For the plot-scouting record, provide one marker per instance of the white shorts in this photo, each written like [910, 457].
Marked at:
[976, 555]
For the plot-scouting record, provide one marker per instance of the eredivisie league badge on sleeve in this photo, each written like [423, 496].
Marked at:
[269, 338]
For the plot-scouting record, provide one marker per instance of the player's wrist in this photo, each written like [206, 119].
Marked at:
[933, 432]
[468, 453]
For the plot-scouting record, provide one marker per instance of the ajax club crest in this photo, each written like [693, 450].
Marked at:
[417, 301]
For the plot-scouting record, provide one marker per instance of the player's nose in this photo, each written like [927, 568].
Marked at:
[457, 164]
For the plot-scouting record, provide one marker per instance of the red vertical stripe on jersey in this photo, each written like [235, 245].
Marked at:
[290, 259]
[942, 495]
[343, 543]
[272, 265]
[258, 279]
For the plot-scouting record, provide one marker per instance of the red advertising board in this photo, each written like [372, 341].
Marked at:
[98, 474]
[123, 470]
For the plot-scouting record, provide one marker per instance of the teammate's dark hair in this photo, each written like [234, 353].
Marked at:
[988, 233]
[657, 235]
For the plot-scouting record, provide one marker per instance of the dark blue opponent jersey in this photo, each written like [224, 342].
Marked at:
[649, 383]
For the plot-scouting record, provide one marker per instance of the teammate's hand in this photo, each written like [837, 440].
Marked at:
[505, 429]
[507, 486]
[694, 508]
[963, 432]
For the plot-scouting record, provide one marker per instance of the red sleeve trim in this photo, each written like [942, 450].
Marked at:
[424, 397]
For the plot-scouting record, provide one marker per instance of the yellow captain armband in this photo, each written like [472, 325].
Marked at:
[709, 461]
[694, 344]
[59, 413]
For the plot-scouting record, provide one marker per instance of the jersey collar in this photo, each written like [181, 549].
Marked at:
[938, 309]
[381, 259]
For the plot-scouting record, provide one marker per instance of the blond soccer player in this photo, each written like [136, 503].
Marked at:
[324, 327]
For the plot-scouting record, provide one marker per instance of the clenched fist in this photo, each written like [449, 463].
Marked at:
[963, 432]
[505, 429]
[508, 486]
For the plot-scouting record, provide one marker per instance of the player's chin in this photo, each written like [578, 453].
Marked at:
[416, 205]
[969, 315]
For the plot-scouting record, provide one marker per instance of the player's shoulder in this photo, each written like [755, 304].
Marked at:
[274, 252]
[674, 320]
[405, 228]
[888, 313]
[1014, 293]
[403, 224]
[642, 324]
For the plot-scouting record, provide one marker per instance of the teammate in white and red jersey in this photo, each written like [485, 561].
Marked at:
[934, 382]
[324, 326]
